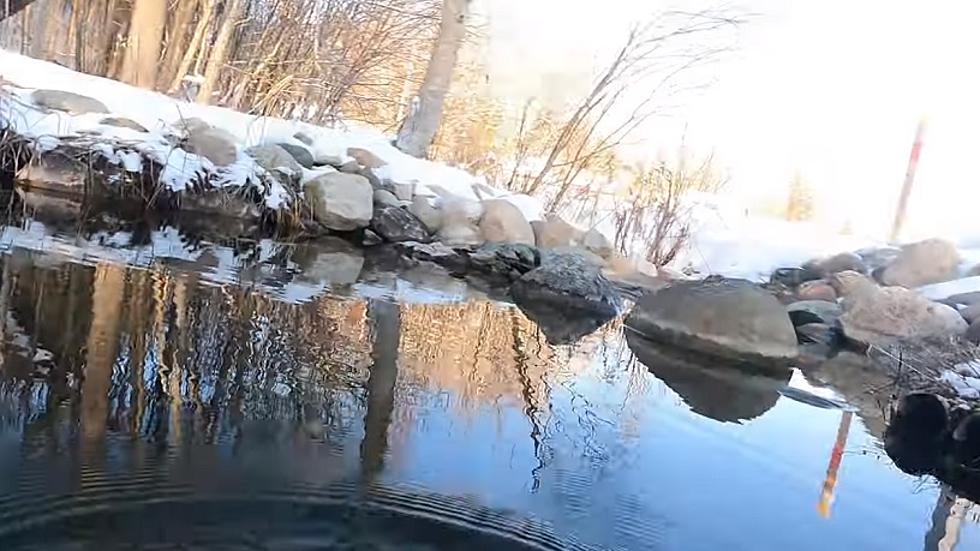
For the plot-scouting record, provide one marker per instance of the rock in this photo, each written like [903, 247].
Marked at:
[349, 167]
[365, 158]
[793, 277]
[123, 122]
[881, 316]
[848, 284]
[816, 290]
[842, 262]
[878, 257]
[971, 313]
[566, 288]
[459, 222]
[304, 137]
[371, 239]
[404, 191]
[299, 153]
[509, 260]
[973, 333]
[593, 241]
[437, 253]
[214, 144]
[553, 231]
[340, 202]
[69, 102]
[922, 263]
[963, 298]
[818, 333]
[373, 179]
[966, 437]
[220, 202]
[502, 222]
[56, 172]
[731, 319]
[814, 311]
[422, 208]
[974, 271]
[916, 432]
[275, 158]
[328, 260]
[397, 224]
[385, 198]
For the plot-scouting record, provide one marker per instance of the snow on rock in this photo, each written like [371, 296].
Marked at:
[160, 114]
[946, 289]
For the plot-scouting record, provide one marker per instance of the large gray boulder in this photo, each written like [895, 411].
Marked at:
[553, 231]
[69, 102]
[882, 315]
[341, 202]
[731, 319]
[922, 263]
[503, 222]
[567, 296]
[397, 224]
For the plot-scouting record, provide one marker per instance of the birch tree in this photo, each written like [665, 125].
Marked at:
[419, 128]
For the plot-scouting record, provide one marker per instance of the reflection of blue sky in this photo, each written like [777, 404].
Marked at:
[646, 466]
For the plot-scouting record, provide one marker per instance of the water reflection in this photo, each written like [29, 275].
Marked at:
[171, 391]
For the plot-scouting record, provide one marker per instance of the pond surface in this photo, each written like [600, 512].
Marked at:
[163, 391]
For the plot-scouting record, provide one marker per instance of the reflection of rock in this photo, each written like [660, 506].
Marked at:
[331, 261]
[561, 325]
[721, 394]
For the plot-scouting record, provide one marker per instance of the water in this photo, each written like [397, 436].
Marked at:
[165, 391]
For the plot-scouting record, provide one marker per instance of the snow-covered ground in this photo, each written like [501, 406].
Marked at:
[726, 240]
[160, 114]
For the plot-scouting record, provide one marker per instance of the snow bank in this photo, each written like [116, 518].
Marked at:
[158, 113]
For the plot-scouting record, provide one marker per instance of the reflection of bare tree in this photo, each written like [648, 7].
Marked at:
[102, 345]
[532, 410]
[385, 321]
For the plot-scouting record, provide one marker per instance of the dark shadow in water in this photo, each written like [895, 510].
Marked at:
[721, 393]
[562, 326]
[385, 323]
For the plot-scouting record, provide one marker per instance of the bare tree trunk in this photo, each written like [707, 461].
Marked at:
[12, 7]
[178, 41]
[145, 36]
[196, 39]
[219, 53]
[419, 128]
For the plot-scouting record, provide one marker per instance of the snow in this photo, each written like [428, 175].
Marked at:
[729, 242]
[940, 291]
[159, 114]
[965, 386]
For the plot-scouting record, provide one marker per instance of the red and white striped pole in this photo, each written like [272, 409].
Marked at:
[903, 200]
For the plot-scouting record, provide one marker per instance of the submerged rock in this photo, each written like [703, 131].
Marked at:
[397, 224]
[882, 315]
[922, 263]
[340, 202]
[730, 319]
[69, 102]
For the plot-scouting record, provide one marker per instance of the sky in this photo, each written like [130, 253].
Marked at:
[833, 89]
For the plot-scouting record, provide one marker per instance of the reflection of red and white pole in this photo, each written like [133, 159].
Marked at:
[903, 200]
[827, 492]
